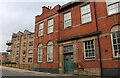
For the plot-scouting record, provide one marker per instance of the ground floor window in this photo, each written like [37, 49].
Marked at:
[115, 36]
[50, 52]
[89, 49]
[40, 52]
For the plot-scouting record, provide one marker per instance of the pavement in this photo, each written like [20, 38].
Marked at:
[8, 72]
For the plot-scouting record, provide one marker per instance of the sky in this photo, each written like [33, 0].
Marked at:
[20, 15]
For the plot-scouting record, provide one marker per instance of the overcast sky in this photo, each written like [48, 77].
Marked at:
[18, 16]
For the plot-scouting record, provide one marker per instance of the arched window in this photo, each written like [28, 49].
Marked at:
[40, 52]
[115, 37]
[50, 52]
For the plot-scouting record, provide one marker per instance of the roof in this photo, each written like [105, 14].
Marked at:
[68, 5]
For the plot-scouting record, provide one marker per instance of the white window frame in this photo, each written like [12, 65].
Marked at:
[67, 19]
[113, 6]
[41, 29]
[40, 54]
[50, 25]
[115, 30]
[90, 57]
[85, 14]
[50, 52]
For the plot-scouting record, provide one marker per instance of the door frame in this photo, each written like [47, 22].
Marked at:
[69, 53]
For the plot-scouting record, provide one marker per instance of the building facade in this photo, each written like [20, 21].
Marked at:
[4, 57]
[79, 38]
[22, 47]
[46, 36]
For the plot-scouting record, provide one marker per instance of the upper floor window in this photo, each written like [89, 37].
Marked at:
[17, 52]
[14, 45]
[18, 37]
[67, 20]
[89, 50]
[24, 36]
[16, 59]
[40, 53]
[18, 45]
[113, 6]
[50, 52]
[31, 35]
[41, 29]
[23, 59]
[115, 35]
[29, 59]
[31, 43]
[50, 26]
[85, 14]
[23, 52]
[30, 51]
[24, 44]
[14, 39]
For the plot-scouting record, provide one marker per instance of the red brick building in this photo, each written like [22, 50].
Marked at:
[79, 38]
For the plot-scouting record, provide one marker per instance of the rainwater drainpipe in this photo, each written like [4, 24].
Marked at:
[20, 50]
[98, 39]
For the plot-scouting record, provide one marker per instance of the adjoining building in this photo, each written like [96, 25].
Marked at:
[22, 47]
[78, 38]
[4, 57]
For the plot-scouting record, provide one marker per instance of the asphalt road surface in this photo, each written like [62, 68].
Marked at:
[8, 72]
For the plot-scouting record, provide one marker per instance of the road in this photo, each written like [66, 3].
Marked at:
[8, 72]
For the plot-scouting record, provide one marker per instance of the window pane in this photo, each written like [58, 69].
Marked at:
[119, 47]
[116, 53]
[115, 47]
[114, 41]
[113, 35]
[118, 34]
[118, 40]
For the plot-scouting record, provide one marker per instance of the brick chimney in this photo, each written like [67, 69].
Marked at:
[45, 9]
